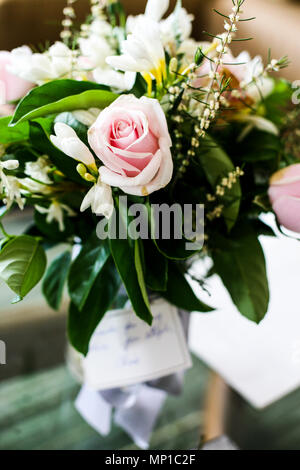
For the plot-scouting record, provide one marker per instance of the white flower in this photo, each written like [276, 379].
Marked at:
[11, 188]
[94, 49]
[176, 26]
[257, 122]
[39, 170]
[120, 81]
[55, 213]
[155, 9]
[40, 68]
[87, 117]
[100, 27]
[34, 187]
[100, 199]
[142, 51]
[9, 165]
[9, 185]
[68, 142]
[256, 84]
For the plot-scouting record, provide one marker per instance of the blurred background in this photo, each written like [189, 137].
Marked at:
[36, 390]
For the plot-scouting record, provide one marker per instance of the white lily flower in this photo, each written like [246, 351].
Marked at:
[87, 117]
[177, 25]
[155, 9]
[142, 51]
[40, 68]
[39, 170]
[94, 50]
[257, 122]
[101, 27]
[256, 84]
[118, 80]
[68, 142]
[100, 199]
[55, 213]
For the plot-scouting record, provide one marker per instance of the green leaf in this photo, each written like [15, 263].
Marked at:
[123, 255]
[156, 264]
[82, 324]
[259, 146]
[10, 135]
[85, 269]
[276, 104]
[140, 268]
[242, 269]
[51, 230]
[60, 96]
[55, 279]
[173, 249]
[216, 164]
[180, 293]
[22, 264]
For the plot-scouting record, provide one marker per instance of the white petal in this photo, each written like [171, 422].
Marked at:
[100, 199]
[156, 9]
[10, 164]
[259, 122]
[88, 199]
[67, 140]
[62, 130]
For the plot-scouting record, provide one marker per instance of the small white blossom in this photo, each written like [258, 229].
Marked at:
[11, 188]
[39, 170]
[68, 142]
[55, 213]
[100, 199]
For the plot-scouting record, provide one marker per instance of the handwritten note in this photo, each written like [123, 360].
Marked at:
[124, 350]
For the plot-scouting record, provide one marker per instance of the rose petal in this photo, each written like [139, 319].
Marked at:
[287, 209]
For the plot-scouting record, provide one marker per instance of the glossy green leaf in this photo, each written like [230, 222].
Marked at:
[260, 146]
[61, 96]
[22, 264]
[156, 264]
[51, 230]
[85, 269]
[216, 165]
[10, 135]
[54, 281]
[276, 103]
[173, 249]
[124, 257]
[140, 269]
[82, 324]
[242, 269]
[180, 293]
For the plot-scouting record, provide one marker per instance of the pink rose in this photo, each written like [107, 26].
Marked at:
[12, 87]
[284, 193]
[132, 140]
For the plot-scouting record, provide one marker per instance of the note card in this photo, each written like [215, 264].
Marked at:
[124, 350]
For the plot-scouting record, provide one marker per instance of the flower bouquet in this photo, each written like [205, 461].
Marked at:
[146, 151]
